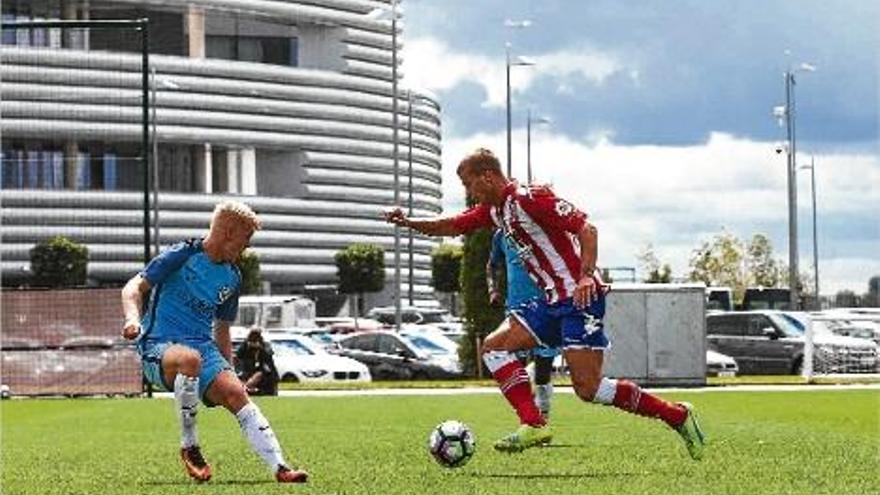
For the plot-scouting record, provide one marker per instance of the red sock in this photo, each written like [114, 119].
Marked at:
[631, 398]
[514, 383]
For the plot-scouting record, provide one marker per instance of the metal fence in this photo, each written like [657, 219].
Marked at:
[74, 121]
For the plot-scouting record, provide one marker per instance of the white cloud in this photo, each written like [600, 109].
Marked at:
[677, 196]
[430, 64]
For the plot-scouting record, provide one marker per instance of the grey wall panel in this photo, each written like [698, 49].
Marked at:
[658, 333]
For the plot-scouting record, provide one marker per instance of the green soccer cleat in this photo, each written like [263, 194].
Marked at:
[690, 432]
[524, 437]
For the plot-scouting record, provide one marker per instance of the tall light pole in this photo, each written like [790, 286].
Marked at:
[789, 114]
[812, 167]
[529, 120]
[394, 122]
[409, 201]
[518, 61]
[380, 13]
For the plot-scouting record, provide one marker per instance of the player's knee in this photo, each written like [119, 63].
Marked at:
[189, 363]
[586, 389]
[235, 398]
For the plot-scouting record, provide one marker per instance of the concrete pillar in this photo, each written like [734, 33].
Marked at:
[233, 173]
[71, 161]
[248, 171]
[195, 30]
[202, 168]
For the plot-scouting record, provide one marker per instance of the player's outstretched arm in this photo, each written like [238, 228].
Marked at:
[132, 302]
[438, 226]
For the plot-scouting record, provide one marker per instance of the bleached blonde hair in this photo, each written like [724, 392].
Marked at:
[235, 211]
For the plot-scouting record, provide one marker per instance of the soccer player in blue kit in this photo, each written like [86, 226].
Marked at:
[183, 335]
[521, 289]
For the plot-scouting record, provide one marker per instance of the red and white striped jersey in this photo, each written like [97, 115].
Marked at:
[543, 228]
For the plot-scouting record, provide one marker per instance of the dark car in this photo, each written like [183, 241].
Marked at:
[762, 343]
[390, 356]
[770, 343]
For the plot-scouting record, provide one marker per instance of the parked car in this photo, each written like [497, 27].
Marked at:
[718, 364]
[418, 315]
[768, 342]
[391, 356]
[298, 358]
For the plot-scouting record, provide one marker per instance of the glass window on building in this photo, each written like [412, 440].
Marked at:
[13, 168]
[83, 171]
[57, 158]
[264, 50]
[9, 35]
[110, 172]
[32, 180]
[31, 10]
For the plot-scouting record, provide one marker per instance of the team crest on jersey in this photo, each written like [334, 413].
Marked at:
[564, 208]
[223, 294]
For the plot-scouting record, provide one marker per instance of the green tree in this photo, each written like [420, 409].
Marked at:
[720, 261]
[446, 270]
[59, 262]
[846, 299]
[650, 265]
[360, 269]
[764, 270]
[249, 266]
[480, 317]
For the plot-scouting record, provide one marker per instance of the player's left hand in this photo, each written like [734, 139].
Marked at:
[586, 292]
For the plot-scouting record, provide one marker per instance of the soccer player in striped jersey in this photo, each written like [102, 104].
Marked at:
[183, 335]
[521, 290]
[559, 249]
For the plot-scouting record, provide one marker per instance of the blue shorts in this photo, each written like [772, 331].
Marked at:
[213, 363]
[563, 325]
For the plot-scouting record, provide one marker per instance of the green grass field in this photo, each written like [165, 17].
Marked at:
[804, 443]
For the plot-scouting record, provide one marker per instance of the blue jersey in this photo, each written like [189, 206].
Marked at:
[520, 286]
[189, 292]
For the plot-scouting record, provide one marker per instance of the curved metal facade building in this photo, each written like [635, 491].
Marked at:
[286, 105]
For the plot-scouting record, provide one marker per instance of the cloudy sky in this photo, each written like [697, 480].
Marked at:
[662, 126]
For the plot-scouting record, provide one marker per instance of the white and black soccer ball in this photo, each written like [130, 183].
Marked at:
[452, 443]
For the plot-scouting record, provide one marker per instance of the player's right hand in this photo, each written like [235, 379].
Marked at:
[395, 216]
[131, 329]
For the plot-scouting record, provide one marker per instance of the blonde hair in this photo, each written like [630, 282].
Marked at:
[235, 211]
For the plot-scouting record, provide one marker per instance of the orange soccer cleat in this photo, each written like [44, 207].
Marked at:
[287, 475]
[195, 464]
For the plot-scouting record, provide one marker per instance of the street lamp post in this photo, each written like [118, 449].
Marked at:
[791, 149]
[381, 13]
[529, 120]
[394, 122]
[409, 201]
[518, 61]
[812, 167]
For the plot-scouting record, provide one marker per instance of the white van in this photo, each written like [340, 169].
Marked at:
[276, 312]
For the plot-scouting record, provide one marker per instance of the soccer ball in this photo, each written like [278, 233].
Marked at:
[452, 443]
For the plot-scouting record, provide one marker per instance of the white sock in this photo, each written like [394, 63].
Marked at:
[186, 397]
[543, 395]
[259, 434]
